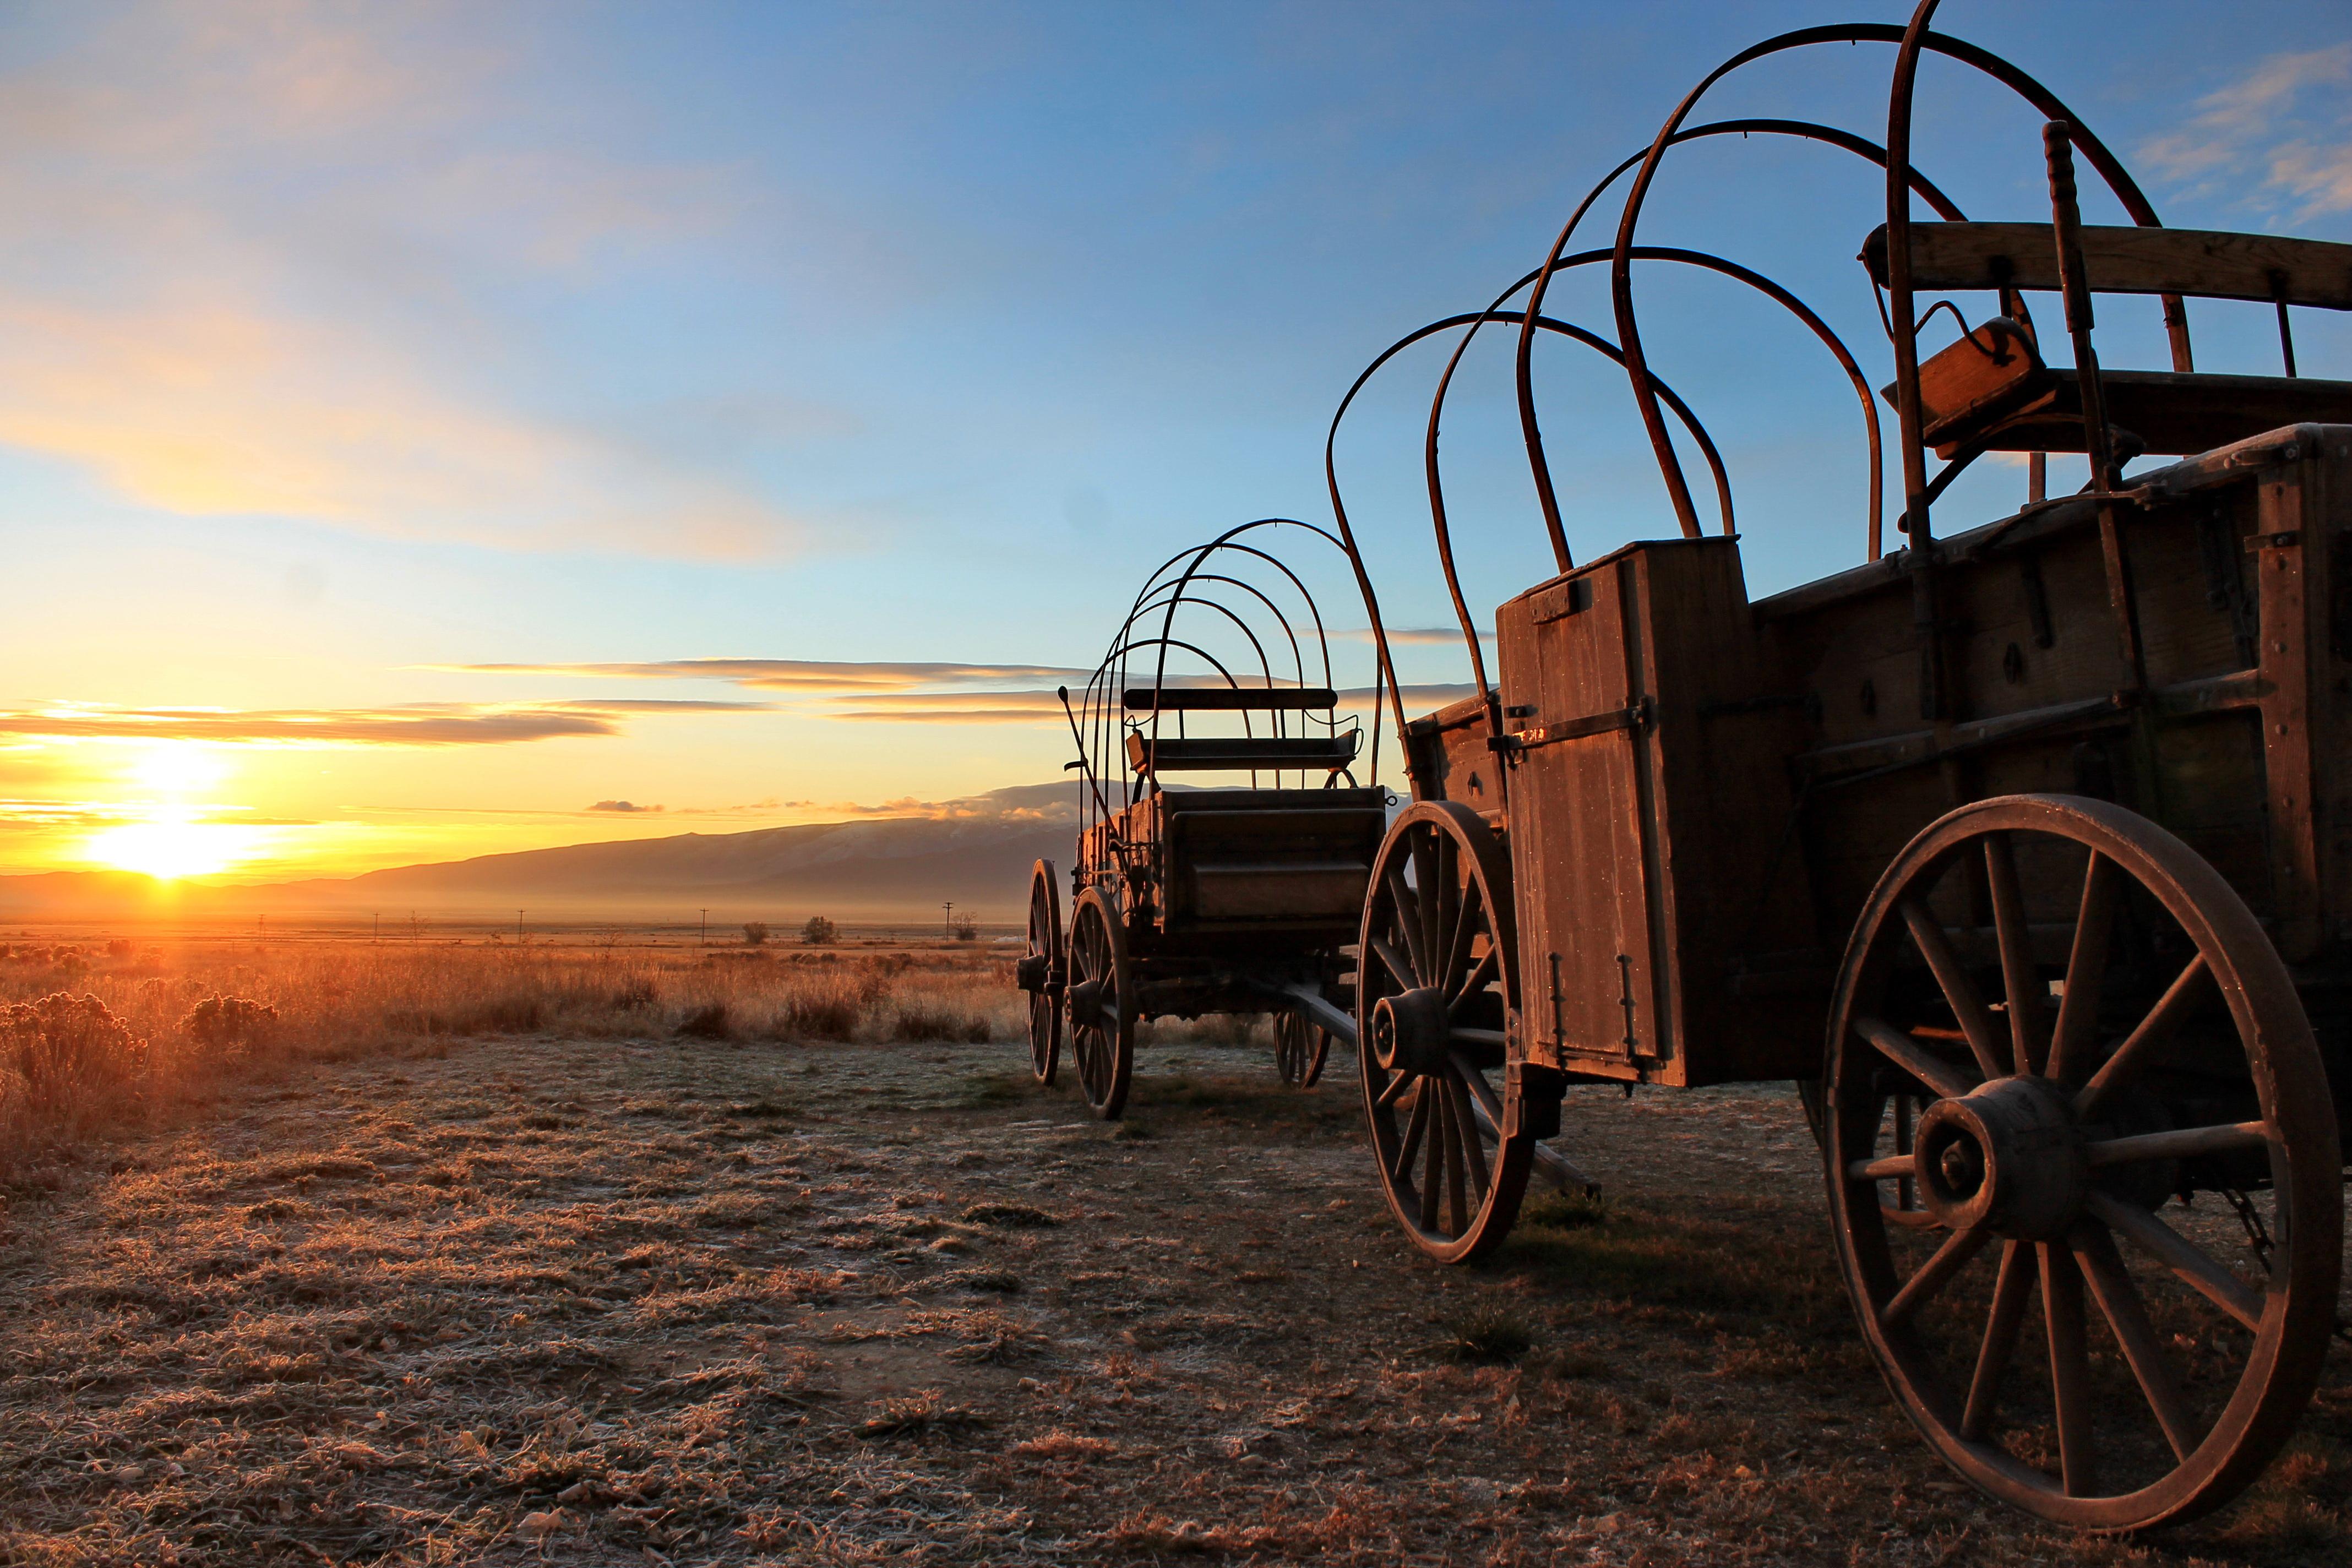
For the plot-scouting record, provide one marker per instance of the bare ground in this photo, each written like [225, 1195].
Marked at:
[604, 1302]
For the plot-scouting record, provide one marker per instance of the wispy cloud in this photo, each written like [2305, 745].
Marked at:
[2281, 133]
[287, 292]
[222, 409]
[1038, 802]
[1413, 637]
[405, 724]
[805, 676]
[626, 807]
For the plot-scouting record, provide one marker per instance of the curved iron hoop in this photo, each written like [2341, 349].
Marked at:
[1754, 280]
[1117, 655]
[1915, 39]
[1165, 594]
[1445, 553]
[1805, 130]
[1297, 657]
[1590, 339]
[1225, 542]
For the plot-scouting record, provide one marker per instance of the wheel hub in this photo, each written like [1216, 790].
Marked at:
[2007, 1156]
[1031, 973]
[1086, 1005]
[1409, 1030]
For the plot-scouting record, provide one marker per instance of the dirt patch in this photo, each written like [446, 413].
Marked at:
[701, 1301]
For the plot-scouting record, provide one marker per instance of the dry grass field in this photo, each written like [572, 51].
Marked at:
[617, 1256]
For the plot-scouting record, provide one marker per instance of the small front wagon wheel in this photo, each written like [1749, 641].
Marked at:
[1300, 1044]
[1101, 1005]
[1042, 971]
[1433, 996]
[2056, 1024]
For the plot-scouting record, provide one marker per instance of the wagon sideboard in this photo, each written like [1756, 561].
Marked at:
[1698, 791]
[1228, 869]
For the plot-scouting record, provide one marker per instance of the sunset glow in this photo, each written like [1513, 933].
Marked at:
[460, 431]
[171, 847]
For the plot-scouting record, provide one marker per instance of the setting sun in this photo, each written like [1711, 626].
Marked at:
[172, 847]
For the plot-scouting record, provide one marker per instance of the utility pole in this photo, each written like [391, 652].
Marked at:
[706, 928]
[950, 907]
[412, 926]
[377, 916]
[518, 925]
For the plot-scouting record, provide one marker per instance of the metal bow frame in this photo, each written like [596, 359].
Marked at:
[1654, 399]
[1289, 647]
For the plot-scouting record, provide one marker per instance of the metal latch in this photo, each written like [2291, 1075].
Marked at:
[1636, 716]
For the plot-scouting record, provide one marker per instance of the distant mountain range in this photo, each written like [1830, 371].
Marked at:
[976, 852]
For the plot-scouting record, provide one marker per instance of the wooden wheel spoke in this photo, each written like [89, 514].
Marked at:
[1408, 922]
[1480, 1089]
[2070, 1367]
[1934, 1274]
[1458, 937]
[1906, 1195]
[1433, 1178]
[1473, 1138]
[2161, 1020]
[2019, 981]
[1395, 1090]
[1885, 1168]
[2087, 968]
[2179, 1143]
[1420, 854]
[1395, 962]
[1442, 900]
[2183, 1257]
[1914, 1057]
[2010, 1292]
[2127, 1313]
[1416, 1128]
[1458, 1132]
[1959, 991]
[1474, 982]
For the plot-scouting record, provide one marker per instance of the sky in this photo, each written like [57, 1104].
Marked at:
[433, 430]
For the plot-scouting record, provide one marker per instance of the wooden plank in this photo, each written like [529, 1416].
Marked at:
[1448, 758]
[2167, 411]
[1639, 687]
[2124, 259]
[1230, 698]
[1238, 754]
[2288, 648]
[1575, 845]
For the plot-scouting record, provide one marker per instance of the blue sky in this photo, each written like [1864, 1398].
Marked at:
[347, 347]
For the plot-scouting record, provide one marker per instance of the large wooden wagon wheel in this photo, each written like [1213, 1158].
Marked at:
[1300, 1044]
[2086, 1021]
[1102, 1005]
[1042, 971]
[1434, 992]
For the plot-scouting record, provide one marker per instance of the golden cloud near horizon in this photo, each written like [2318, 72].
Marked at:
[403, 724]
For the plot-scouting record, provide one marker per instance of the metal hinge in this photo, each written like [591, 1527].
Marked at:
[1636, 716]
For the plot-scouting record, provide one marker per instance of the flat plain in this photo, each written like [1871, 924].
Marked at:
[673, 1299]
